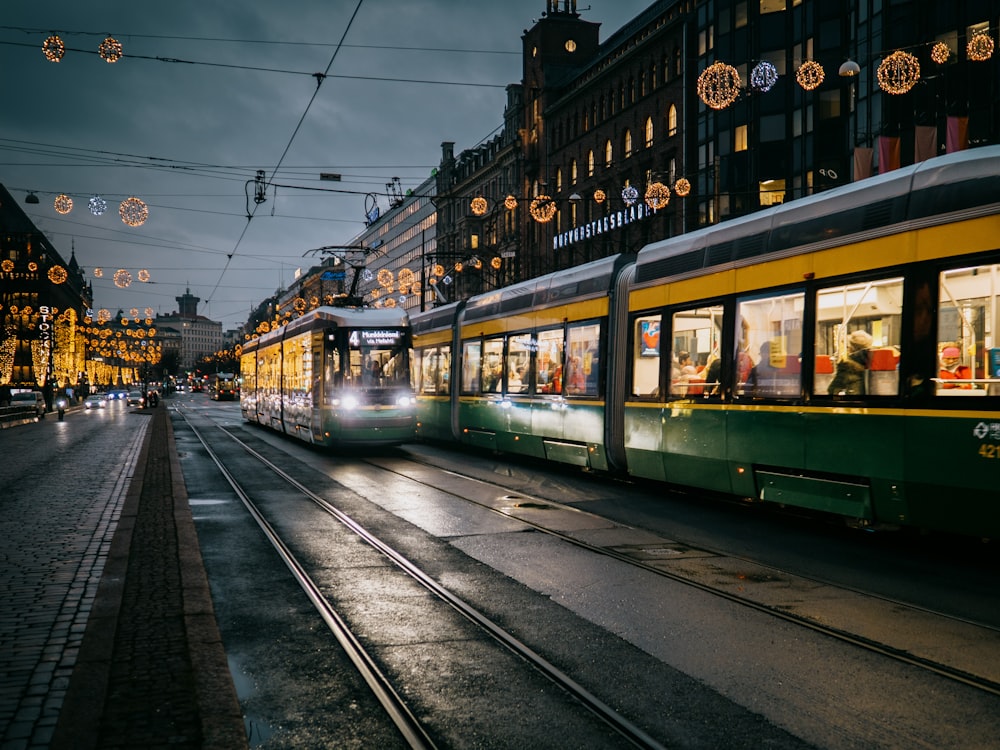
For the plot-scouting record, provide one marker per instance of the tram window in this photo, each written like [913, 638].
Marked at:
[518, 362]
[768, 354]
[492, 365]
[696, 340]
[968, 357]
[581, 360]
[646, 356]
[857, 338]
[549, 364]
[434, 366]
[334, 376]
[471, 358]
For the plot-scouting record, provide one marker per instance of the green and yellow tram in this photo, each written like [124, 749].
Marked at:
[838, 353]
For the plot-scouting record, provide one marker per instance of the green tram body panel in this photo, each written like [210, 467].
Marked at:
[369, 425]
[433, 418]
[929, 469]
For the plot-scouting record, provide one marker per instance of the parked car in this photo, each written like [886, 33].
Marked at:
[135, 398]
[30, 398]
[95, 401]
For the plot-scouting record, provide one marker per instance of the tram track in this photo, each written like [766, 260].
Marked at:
[889, 651]
[394, 704]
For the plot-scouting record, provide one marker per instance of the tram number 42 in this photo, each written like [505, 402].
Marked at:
[989, 450]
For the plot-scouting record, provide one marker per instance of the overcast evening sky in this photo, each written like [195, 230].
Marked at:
[209, 92]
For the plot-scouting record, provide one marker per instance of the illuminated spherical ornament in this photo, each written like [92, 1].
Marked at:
[763, 77]
[124, 323]
[510, 202]
[97, 205]
[682, 187]
[940, 53]
[32, 266]
[898, 73]
[810, 75]
[299, 304]
[328, 299]
[63, 203]
[980, 47]
[7, 265]
[110, 50]
[53, 48]
[264, 327]
[542, 209]
[496, 262]
[133, 212]
[719, 85]
[657, 195]
[142, 275]
[13, 309]
[390, 302]
[103, 316]
[98, 273]
[600, 196]
[630, 195]
[385, 277]
[149, 312]
[438, 269]
[479, 205]
[149, 321]
[406, 278]
[376, 293]
[134, 312]
[314, 301]
[122, 278]
[57, 274]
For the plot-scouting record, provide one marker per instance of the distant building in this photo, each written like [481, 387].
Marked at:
[199, 336]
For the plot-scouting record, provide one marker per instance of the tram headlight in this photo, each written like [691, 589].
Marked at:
[405, 401]
[346, 402]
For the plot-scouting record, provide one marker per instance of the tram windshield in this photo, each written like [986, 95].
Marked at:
[369, 358]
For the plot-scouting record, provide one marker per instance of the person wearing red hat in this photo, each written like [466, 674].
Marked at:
[953, 369]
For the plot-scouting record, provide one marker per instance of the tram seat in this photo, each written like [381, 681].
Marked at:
[696, 386]
[883, 359]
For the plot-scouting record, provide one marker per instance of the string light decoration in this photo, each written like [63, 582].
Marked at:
[479, 205]
[97, 205]
[719, 85]
[98, 273]
[110, 50]
[63, 203]
[314, 301]
[510, 202]
[682, 187]
[58, 275]
[810, 75]
[122, 278]
[898, 73]
[103, 315]
[53, 49]
[496, 263]
[7, 265]
[980, 47]
[385, 277]
[763, 77]
[367, 275]
[438, 269]
[32, 266]
[459, 267]
[299, 304]
[133, 212]
[142, 275]
[134, 312]
[406, 278]
[149, 312]
[657, 195]
[630, 195]
[542, 209]
[940, 53]
[600, 196]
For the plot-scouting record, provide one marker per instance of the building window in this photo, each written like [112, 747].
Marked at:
[590, 163]
[572, 172]
[741, 138]
[627, 143]
[672, 121]
[608, 153]
[649, 132]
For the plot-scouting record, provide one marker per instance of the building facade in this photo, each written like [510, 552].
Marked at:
[199, 336]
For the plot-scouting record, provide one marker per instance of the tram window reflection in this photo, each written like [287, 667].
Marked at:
[968, 353]
[471, 358]
[492, 365]
[857, 338]
[768, 352]
[646, 355]
[696, 337]
[583, 340]
[549, 361]
[518, 362]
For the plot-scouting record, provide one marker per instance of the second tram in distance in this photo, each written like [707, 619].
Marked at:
[840, 352]
[334, 376]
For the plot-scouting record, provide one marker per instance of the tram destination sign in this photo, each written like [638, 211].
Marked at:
[381, 337]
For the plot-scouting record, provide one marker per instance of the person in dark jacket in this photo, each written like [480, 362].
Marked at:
[849, 378]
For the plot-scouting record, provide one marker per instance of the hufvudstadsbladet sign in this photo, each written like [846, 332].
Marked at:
[601, 225]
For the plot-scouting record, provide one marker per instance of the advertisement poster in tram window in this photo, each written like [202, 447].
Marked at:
[650, 331]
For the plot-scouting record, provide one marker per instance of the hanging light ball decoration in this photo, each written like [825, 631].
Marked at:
[763, 77]
[479, 205]
[438, 269]
[63, 203]
[600, 196]
[149, 312]
[367, 275]
[406, 278]
[719, 85]
[32, 266]
[657, 195]
[542, 209]
[142, 275]
[630, 195]
[980, 47]
[57, 274]
[122, 278]
[110, 50]
[940, 53]
[103, 315]
[810, 75]
[97, 205]
[898, 73]
[459, 267]
[98, 273]
[496, 263]
[385, 277]
[510, 202]
[682, 187]
[134, 312]
[299, 304]
[7, 265]
[53, 49]
[133, 212]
